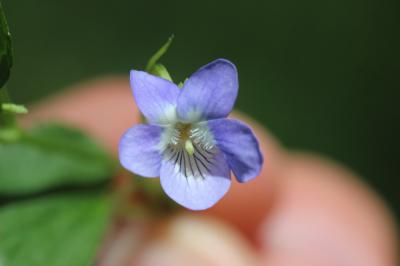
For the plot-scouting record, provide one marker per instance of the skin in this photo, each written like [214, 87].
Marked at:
[303, 209]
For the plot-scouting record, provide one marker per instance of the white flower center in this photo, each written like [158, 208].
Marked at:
[190, 147]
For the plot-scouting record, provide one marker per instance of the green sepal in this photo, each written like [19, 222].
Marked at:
[155, 68]
[161, 71]
[180, 85]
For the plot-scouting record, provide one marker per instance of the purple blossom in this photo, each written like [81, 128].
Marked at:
[189, 141]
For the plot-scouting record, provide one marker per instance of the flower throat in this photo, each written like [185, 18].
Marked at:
[191, 147]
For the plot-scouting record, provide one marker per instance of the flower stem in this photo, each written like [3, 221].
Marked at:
[141, 198]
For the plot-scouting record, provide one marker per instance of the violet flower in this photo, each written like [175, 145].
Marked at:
[189, 143]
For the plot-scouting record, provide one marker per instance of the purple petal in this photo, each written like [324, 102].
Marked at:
[156, 97]
[196, 192]
[210, 92]
[240, 146]
[139, 152]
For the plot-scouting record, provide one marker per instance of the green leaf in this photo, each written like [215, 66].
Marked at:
[52, 156]
[60, 230]
[155, 68]
[5, 49]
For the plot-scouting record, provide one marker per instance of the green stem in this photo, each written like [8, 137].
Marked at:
[7, 120]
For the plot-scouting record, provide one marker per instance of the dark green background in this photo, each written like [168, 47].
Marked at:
[321, 75]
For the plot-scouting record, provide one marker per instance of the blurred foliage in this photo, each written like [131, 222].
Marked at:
[321, 75]
[53, 208]
[51, 156]
[5, 49]
[60, 230]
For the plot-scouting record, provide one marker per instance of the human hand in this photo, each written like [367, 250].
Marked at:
[302, 209]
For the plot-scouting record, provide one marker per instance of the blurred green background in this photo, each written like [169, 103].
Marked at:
[323, 76]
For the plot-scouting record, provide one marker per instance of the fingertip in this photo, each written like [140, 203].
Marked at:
[102, 107]
[322, 206]
[193, 240]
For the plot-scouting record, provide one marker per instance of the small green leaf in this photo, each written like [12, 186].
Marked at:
[52, 156]
[14, 108]
[5, 49]
[58, 230]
